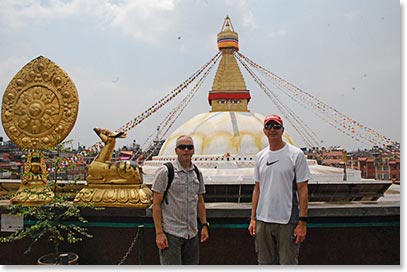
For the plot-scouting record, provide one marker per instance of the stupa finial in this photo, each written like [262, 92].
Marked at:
[227, 37]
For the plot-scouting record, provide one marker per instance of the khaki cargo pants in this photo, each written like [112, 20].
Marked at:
[275, 243]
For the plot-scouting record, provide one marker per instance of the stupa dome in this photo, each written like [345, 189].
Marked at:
[219, 133]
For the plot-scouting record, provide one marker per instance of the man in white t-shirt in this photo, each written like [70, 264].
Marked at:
[280, 198]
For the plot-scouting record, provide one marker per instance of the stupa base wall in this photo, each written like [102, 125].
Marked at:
[338, 234]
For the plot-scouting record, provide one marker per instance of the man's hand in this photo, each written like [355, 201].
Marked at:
[161, 240]
[204, 234]
[300, 232]
[252, 227]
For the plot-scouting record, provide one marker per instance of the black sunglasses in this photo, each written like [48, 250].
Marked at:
[268, 126]
[184, 146]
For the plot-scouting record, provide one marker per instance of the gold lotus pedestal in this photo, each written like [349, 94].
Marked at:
[116, 195]
[34, 189]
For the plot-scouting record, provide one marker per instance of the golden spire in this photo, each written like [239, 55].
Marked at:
[227, 37]
[229, 92]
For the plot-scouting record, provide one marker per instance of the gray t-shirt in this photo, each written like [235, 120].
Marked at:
[179, 216]
[276, 171]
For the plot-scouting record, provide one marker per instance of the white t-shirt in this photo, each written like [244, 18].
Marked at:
[276, 171]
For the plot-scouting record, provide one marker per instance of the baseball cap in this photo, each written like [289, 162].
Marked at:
[273, 117]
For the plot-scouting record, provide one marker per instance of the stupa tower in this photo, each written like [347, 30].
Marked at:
[229, 92]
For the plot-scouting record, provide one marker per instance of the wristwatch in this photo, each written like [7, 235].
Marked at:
[303, 219]
[206, 224]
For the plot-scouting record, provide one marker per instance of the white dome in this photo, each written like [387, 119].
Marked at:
[221, 133]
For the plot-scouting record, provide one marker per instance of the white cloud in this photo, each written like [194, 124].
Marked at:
[146, 20]
[10, 66]
[20, 14]
[351, 16]
[249, 20]
[244, 11]
[277, 33]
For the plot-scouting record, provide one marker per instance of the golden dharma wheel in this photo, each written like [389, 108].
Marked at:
[40, 105]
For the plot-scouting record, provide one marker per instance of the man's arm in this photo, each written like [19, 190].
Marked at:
[303, 197]
[202, 218]
[255, 200]
[301, 230]
[160, 238]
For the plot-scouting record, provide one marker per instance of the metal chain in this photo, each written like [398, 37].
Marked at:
[130, 248]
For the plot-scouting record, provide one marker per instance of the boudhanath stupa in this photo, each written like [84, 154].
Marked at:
[228, 137]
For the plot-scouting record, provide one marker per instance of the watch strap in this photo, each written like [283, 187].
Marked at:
[303, 218]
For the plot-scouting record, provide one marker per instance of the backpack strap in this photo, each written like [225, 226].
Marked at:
[170, 175]
[197, 172]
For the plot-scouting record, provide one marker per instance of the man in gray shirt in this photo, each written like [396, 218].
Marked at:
[175, 218]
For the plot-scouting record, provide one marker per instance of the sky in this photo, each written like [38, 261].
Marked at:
[124, 56]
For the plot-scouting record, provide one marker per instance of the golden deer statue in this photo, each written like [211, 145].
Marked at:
[114, 183]
[102, 168]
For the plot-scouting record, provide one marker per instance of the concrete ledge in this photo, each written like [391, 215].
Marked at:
[316, 209]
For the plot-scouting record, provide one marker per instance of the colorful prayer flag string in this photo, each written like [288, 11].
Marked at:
[332, 116]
